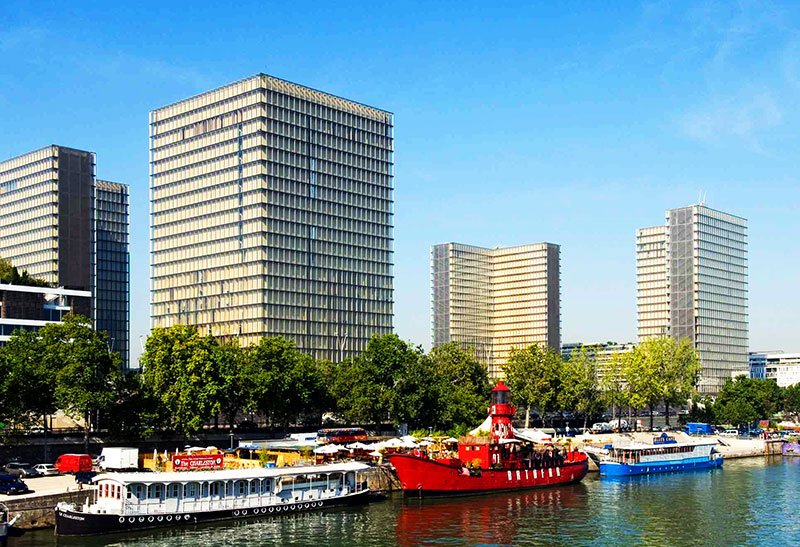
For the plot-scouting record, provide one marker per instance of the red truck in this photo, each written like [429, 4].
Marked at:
[73, 463]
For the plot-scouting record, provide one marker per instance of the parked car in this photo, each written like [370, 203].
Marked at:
[46, 469]
[24, 470]
[729, 433]
[85, 477]
[601, 427]
[9, 484]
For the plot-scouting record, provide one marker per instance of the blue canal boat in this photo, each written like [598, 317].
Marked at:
[664, 455]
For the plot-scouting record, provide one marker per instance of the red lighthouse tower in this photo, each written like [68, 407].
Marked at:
[502, 412]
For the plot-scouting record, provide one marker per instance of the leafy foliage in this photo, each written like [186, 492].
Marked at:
[534, 376]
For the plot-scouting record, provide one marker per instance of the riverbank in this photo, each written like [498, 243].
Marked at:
[35, 509]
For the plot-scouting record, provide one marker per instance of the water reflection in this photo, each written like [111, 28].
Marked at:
[493, 519]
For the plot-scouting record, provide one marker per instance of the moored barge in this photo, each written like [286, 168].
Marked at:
[138, 501]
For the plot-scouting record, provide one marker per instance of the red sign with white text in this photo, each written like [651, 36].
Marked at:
[195, 462]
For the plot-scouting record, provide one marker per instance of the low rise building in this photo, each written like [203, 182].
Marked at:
[30, 308]
[782, 367]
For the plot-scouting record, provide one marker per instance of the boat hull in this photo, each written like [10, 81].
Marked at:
[611, 469]
[76, 523]
[426, 477]
[790, 449]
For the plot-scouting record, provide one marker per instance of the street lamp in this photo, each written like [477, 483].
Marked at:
[231, 436]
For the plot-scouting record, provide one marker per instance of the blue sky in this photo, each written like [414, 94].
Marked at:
[574, 123]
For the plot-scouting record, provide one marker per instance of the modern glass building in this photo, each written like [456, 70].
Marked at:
[496, 299]
[53, 224]
[271, 215]
[705, 284]
[111, 268]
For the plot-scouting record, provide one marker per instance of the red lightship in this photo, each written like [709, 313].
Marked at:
[497, 462]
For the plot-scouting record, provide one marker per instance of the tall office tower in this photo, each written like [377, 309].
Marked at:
[50, 204]
[272, 214]
[652, 298]
[112, 278]
[496, 299]
[705, 263]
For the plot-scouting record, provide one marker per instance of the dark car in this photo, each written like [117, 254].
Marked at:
[85, 477]
[9, 484]
[24, 470]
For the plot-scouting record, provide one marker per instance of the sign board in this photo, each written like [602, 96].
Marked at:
[195, 462]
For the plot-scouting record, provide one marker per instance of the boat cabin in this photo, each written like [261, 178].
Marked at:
[193, 491]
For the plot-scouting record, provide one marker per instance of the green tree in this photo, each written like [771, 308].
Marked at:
[27, 377]
[534, 377]
[287, 383]
[235, 375]
[417, 395]
[792, 401]
[613, 390]
[682, 373]
[737, 412]
[364, 385]
[464, 384]
[579, 385]
[88, 369]
[180, 372]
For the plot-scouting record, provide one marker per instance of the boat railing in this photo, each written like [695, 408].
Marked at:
[243, 502]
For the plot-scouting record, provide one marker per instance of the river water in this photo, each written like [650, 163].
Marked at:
[748, 502]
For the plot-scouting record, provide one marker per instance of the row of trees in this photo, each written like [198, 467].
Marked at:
[190, 379]
[63, 366]
[744, 400]
[659, 370]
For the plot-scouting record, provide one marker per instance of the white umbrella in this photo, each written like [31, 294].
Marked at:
[423, 442]
[393, 443]
[408, 438]
[450, 440]
[326, 449]
[408, 443]
[357, 446]
[376, 454]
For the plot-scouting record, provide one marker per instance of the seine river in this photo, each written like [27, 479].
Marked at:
[748, 502]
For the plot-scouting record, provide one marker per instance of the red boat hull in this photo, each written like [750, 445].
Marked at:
[423, 476]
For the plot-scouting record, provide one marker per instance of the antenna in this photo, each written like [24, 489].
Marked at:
[702, 198]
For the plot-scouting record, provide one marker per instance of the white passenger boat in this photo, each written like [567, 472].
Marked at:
[136, 501]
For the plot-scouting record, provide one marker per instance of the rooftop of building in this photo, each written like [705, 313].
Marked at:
[272, 79]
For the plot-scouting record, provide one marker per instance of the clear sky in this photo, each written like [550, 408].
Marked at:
[568, 122]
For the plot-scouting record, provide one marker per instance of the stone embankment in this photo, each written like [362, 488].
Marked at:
[36, 509]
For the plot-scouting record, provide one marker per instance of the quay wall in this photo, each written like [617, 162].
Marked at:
[38, 511]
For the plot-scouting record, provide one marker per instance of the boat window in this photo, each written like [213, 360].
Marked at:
[155, 491]
[137, 490]
[241, 488]
[173, 490]
[204, 490]
[229, 488]
[216, 489]
[190, 490]
[254, 486]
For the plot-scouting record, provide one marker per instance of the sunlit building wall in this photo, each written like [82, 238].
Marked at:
[705, 258]
[496, 299]
[61, 225]
[272, 215]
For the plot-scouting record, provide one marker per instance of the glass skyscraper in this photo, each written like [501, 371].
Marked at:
[697, 265]
[60, 224]
[272, 214]
[112, 278]
[496, 299]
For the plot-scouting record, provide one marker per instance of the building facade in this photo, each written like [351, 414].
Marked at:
[271, 211]
[50, 203]
[783, 368]
[111, 267]
[704, 284]
[494, 300]
[30, 308]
